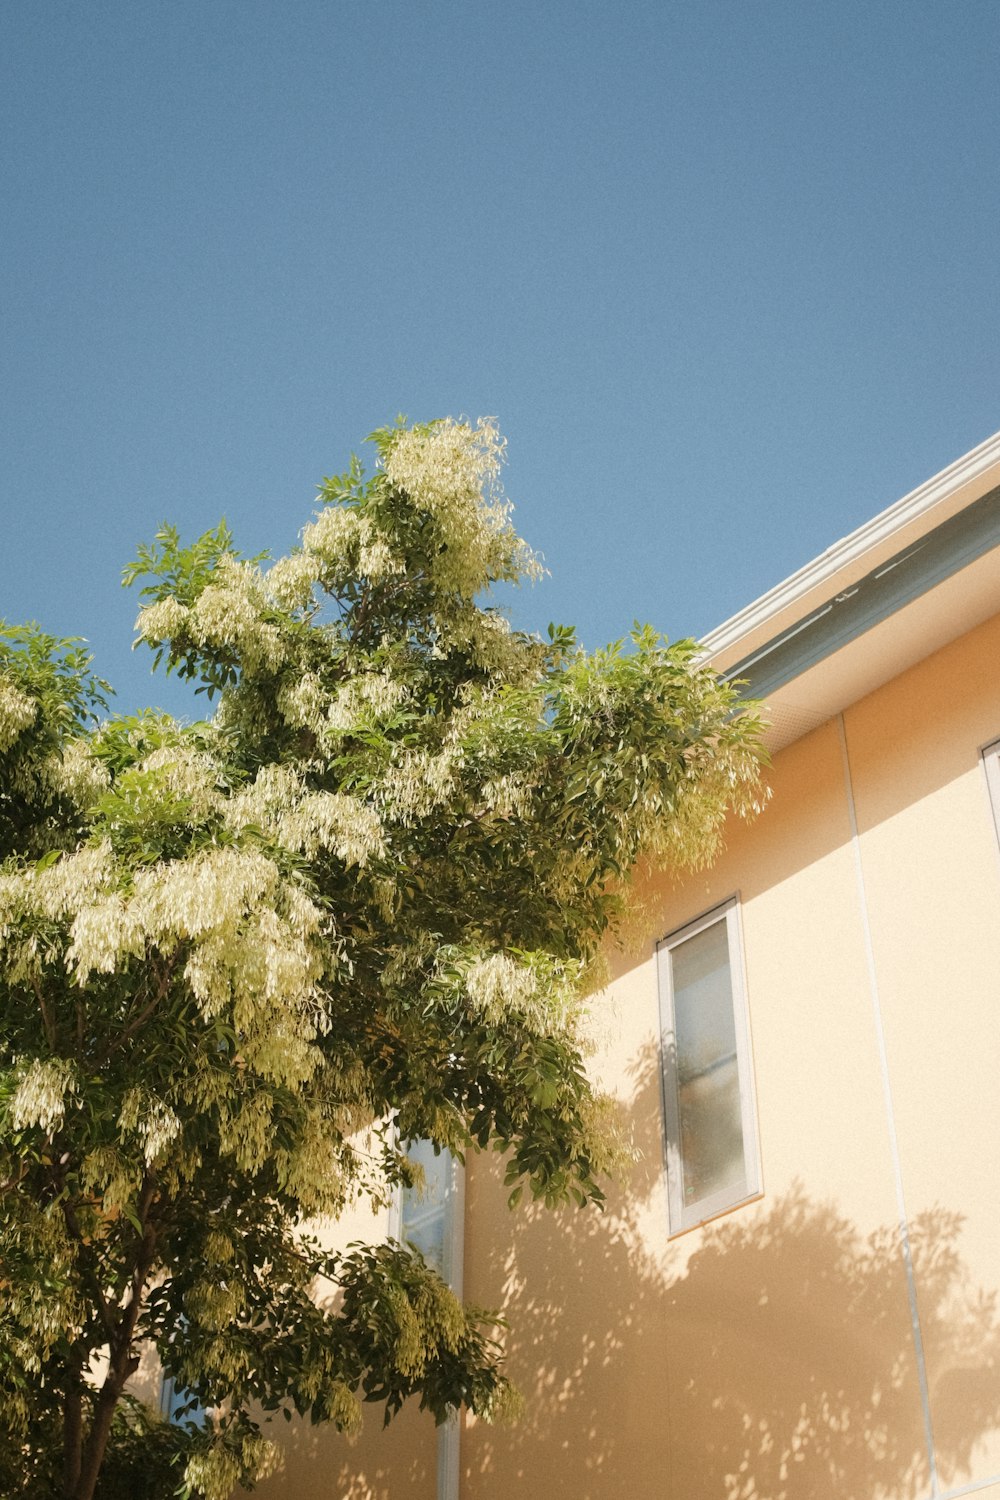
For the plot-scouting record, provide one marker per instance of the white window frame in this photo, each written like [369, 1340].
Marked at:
[449, 1434]
[172, 1399]
[682, 1215]
[454, 1221]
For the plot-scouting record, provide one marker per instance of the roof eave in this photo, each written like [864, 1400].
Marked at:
[841, 565]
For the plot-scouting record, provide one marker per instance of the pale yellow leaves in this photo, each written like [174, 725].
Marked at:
[76, 774]
[228, 615]
[17, 713]
[40, 1097]
[252, 938]
[215, 1472]
[451, 470]
[344, 542]
[278, 803]
[429, 1321]
[150, 1118]
[291, 581]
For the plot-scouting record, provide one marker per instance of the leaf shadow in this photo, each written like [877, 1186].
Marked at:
[767, 1356]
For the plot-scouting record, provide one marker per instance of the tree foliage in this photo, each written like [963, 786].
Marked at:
[245, 960]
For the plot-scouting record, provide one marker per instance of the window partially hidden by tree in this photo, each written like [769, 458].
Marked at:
[178, 1405]
[432, 1219]
[430, 1215]
[707, 1086]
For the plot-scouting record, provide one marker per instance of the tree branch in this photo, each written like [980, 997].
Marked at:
[90, 1274]
[16, 1179]
[140, 1020]
[72, 1438]
[47, 1021]
[122, 1363]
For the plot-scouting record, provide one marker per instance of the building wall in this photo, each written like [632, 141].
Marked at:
[772, 1354]
[381, 1463]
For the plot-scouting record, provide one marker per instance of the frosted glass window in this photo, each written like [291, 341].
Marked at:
[707, 1089]
[172, 1401]
[424, 1210]
[431, 1218]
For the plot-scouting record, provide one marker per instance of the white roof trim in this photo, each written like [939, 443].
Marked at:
[913, 507]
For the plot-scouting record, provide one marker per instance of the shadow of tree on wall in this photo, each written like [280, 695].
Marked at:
[806, 1325]
[380, 1464]
[769, 1357]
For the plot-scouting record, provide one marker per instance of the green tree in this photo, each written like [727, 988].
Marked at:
[245, 960]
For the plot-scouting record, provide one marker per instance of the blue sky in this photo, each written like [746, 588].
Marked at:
[727, 273]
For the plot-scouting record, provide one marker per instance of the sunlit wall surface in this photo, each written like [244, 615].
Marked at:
[837, 1334]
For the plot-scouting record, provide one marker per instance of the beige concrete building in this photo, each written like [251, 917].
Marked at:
[795, 1297]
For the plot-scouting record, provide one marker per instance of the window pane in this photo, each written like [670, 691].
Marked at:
[708, 1083]
[424, 1212]
[173, 1400]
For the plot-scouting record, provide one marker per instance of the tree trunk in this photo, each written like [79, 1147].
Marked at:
[72, 1439]
[97, 1440]
[122, 1362]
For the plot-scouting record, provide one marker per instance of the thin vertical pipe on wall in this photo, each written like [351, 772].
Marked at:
[904, 1225]
[449, 1443]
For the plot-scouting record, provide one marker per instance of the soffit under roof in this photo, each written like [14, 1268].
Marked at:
[901, 640]
[863, 551]
[918, 575]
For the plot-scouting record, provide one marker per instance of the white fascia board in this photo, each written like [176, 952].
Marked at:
[917, 512]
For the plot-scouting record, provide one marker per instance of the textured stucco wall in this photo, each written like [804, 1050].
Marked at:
[770, 1355]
